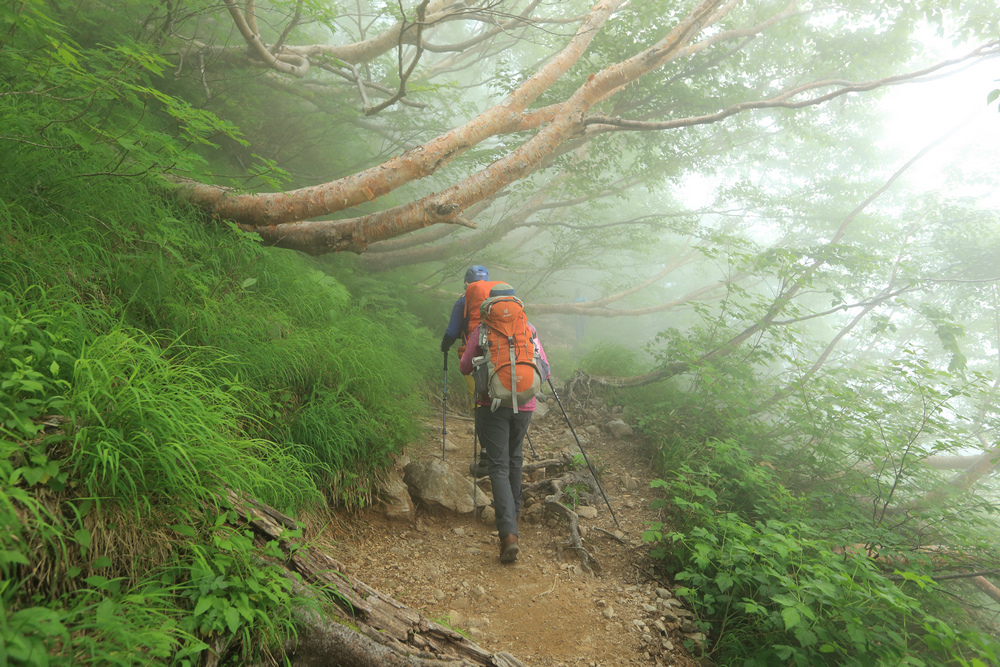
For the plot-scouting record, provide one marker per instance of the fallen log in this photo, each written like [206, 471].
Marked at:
[388, 632]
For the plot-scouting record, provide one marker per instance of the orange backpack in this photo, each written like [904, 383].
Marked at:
[475, 294]
[510, 370]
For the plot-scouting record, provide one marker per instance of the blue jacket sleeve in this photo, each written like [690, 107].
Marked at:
[456, 325]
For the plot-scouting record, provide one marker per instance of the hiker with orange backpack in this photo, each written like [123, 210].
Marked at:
[458, 324]
[465, 318]
[508, 364]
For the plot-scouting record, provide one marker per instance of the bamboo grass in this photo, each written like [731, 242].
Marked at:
[147, 361]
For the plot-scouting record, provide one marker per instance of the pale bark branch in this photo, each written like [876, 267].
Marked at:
[291, 25]
[524, 18]
[598, 310]
[538, 117]
[404, 75]
[295, 65]
[987, 587]
[784, 297]
[283, 219]
[262, 212]
[784, 101]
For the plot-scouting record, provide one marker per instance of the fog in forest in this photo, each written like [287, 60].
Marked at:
[767, 234]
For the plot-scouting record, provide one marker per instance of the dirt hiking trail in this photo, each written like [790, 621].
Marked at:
[545, 609]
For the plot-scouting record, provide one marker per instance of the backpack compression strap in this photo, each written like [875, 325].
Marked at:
[513, 373]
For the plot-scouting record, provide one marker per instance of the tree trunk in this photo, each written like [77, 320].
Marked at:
[282, 219]
[265, 211]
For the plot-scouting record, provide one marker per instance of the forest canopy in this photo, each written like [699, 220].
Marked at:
[494, 117]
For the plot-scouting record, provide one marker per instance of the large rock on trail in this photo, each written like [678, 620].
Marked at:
[394, 496]
[434, 483]
[619, 428]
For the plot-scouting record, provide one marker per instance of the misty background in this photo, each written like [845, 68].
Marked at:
[766, 233]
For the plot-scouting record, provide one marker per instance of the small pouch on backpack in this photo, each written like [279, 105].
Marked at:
[481, 374]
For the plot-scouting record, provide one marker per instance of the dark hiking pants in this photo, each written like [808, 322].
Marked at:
[502, 434]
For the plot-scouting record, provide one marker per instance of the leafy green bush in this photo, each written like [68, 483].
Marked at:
[611, 359]
[150, 358]
[99, 426]
[332, 376]
[213, 592]
[38, 347]
[122, 419]
[230, 592]
[773, 587]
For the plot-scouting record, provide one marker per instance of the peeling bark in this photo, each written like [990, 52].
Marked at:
[317, 237]
[288, 219]
[263, 212]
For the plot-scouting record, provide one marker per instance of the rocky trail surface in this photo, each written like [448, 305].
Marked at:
[597, 604]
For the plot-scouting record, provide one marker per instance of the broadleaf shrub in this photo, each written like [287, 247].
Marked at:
[771, 586]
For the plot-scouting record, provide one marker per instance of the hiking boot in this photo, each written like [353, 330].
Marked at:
[509, 549]
[482, 469]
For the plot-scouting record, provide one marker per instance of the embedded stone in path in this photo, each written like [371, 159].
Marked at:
[619, 428]
[434, 483]
[395, 496]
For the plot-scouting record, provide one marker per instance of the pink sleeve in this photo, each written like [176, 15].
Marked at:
[471, 350]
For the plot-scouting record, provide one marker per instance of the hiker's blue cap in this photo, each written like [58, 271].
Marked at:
[502, 289]
[476, 273]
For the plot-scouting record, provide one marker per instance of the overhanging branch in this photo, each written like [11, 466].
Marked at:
[785, 99]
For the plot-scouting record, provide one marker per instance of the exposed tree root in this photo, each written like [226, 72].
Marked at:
[563, 461]
[553, 503]
[587, 562]
[611, 535]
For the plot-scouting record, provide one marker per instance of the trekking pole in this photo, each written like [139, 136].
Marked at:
[475, 468]
[444, 406]
[533, 452]
[592, 472]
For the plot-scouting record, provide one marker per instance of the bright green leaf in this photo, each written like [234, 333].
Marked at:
[232, 619]
[791, 617]
[82, 536]
[186, 531]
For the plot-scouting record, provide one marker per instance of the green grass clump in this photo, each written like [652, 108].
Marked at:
[148, 362]
[332, 379]
[151, 361]
[146, 424]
